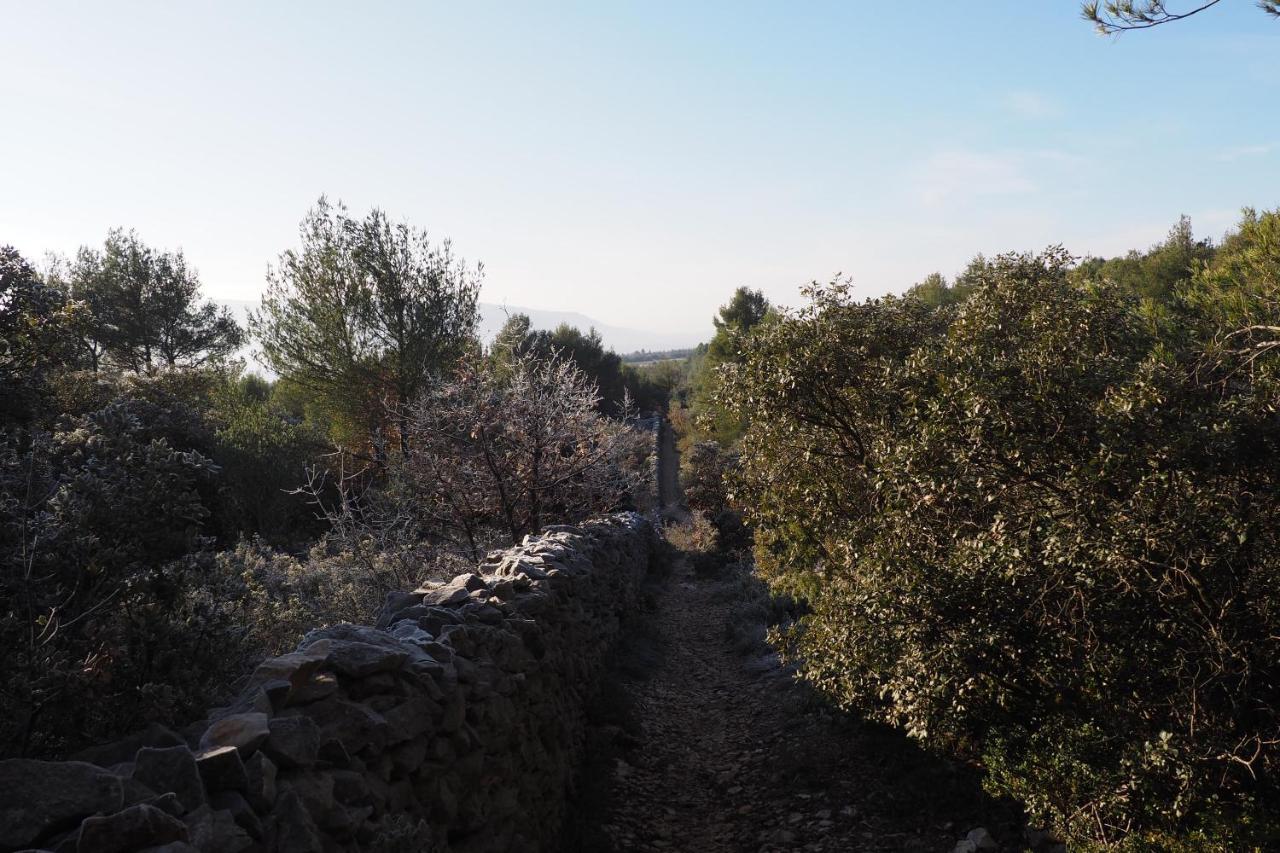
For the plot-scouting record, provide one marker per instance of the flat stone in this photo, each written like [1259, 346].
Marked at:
[170, 769]
[359, 660]
[222, 769]
[445, 596]
[294, 741]
[137, 826]
[43, 796]
[297, 668]
[245, 732]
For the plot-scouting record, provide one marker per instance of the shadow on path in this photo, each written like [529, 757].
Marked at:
[694, 747]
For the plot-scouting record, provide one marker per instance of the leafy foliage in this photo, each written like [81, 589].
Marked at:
[1037, 527]
[37, 325]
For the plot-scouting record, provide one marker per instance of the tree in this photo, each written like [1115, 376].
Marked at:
[37, 325]
[516, 449]
[602, 366]
[145, 310]
[1037, 528]
[1160, 272]
[1117, 16]
[745, 311]
[364, 315]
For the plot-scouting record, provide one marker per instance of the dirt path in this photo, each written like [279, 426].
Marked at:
[698, 747]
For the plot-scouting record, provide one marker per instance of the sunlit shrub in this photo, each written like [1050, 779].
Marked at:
[1039, 528]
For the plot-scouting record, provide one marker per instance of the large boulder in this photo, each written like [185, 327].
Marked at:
[41, 797]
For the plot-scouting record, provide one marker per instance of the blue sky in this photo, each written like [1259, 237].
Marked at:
[634, 161]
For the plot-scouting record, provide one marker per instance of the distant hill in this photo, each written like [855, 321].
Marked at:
[492, 317]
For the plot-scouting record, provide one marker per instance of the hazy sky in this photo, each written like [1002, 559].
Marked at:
[633, 161]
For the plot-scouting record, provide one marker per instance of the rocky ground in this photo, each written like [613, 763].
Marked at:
[702, 743]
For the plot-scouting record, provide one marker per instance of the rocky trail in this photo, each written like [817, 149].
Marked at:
[702, 742]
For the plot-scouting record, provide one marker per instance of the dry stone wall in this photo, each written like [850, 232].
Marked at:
[454, 723]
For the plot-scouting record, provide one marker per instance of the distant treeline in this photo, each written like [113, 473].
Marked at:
[644, 355]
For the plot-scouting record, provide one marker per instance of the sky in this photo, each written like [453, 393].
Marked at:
[634, 162]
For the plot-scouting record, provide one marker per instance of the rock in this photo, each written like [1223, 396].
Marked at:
[253, 700]
[171, 847]
[168, 803]
[222, 769]
[261, 791]
[445, 596]
[409, 632]
[964, 845]
[295, 830]
[322, 685]
[293, 741]
[216, 832]
[354, 725]
[277, 692]
[333, 753]
[170, 769]
[137, 826]
[43, 796]
[411, 718]
[297, 668]
[395, 604]
[981, 839]
[134, 791]
[245, 732]
[359, 660]
[314, 789]
[351, 788]
[120, 751]
[240, 810]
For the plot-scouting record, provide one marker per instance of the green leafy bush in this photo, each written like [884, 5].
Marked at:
[1038, 527]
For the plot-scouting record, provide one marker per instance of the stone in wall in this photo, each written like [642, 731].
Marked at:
[455, 724]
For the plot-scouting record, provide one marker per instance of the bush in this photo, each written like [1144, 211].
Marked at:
[101, 562]
[705, 472]
[1037, 528]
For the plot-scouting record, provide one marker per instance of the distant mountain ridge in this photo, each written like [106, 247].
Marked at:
[492, 317]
